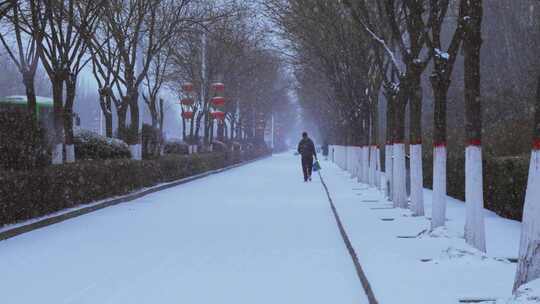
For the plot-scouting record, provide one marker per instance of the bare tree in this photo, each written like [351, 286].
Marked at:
[140, 29]
[153, 83]
[443, 64]
[27, 23]
[107, 80]
[63, 57]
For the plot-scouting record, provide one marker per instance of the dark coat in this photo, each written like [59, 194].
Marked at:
[306, 148]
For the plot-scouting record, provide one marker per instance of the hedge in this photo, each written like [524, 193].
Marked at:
[92, 146]
[23, 142]
[505, 182]
[29, 194]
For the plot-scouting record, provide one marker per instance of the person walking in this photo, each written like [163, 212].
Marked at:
[306, 148]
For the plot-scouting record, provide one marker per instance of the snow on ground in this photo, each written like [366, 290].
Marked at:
[255, 234]
[437, 267]
[526, 294]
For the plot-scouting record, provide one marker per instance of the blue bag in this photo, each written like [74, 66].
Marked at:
[316, 166]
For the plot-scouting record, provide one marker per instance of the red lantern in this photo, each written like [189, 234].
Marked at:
[218, 102]
[218, 87]
[219, 115]
[187, 102]
[187, 87]
[187, 115]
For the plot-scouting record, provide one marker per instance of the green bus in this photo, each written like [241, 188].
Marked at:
[19, 102]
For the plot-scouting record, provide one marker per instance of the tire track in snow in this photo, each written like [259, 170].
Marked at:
[359, 271]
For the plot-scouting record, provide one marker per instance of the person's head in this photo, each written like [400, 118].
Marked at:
[304, 135]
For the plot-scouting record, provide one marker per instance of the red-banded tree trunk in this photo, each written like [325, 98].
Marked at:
[529, 249]
[417, 179]
[399, 196]
[440, 85]
[474, 197]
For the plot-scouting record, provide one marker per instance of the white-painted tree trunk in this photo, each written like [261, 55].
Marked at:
[192, 149]
[372, 166]
[399, 175]
[378, 174]
[361, 164]
[350, 162]
[475, 233]
[70, 153]
[136, 151]
[337, 155]
[58, 154]
[417, 181]
[438, 212]
[529, 249]
[388, 170]
[356, 162]
[366, 164]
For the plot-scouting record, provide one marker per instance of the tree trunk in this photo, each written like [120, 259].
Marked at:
[221, 130]
[161, 121]
[200, 117]
[388, 163]
[231, 129]
[28, 81]
[474, 197]
[108, 117]
[192, 128]
[374, 174]
[122, 118]
[529, 250]
[184, 133]
[399, 164]
[416, 174]
[134, 139]
[58, 106]
[440, 89]
[71, 87]
[105, 103]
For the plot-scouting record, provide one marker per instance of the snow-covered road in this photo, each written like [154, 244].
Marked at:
[255, 234]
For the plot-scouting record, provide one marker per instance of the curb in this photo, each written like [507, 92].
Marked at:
[10, 233]
[359, 271]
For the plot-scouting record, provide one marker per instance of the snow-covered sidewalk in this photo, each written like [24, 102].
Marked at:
[255, 234]
[432, 268]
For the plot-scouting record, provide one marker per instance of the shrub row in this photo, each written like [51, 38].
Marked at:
[28, 194]
[505, 181]
[92, 146]
[23, 142]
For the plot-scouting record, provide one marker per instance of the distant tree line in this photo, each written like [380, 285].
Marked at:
[136, 50]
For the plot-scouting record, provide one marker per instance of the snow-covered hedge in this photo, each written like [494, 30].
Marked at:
[92, 146]
[26, 195]
[505, 180]
[176, 147]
